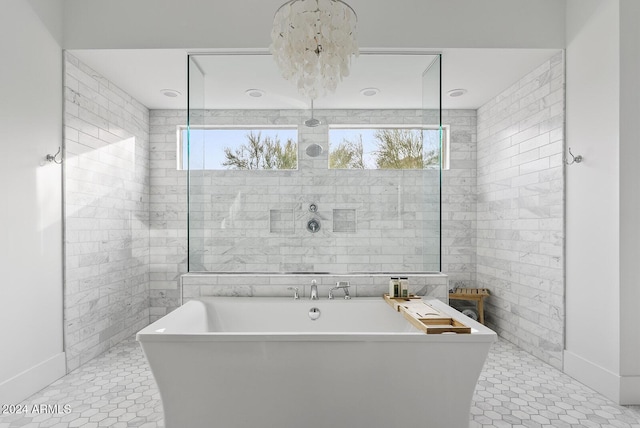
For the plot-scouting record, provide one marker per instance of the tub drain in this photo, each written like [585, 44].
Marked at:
[314, 313]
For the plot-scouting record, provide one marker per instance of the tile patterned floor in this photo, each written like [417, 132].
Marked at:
[515, 390]
[116, 390]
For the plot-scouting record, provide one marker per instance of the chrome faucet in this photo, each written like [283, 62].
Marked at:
[314, 290]
[341, 285]
[296, 296]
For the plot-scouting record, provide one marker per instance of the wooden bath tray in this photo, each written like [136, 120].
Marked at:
[424, 317]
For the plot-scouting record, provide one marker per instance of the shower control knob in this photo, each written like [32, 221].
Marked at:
[313, 225]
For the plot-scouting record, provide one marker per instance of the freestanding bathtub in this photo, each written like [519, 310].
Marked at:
[250, 362]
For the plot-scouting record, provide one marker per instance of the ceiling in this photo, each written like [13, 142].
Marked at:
[483, 73]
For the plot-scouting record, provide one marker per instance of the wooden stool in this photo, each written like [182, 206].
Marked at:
[474, 294]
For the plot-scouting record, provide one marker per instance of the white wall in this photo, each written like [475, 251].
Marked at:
[31, 233]
[602, 235]
[50, 13]
[629, 201]
[592, 187]
[230, 24]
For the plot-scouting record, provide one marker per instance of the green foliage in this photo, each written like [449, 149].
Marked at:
[395, 149]
[260, 153]
[347, 155]
[399, 149]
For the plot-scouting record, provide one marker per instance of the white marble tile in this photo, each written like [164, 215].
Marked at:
[520, 199]
[106, 203]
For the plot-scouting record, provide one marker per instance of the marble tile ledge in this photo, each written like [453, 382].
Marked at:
[242, 284]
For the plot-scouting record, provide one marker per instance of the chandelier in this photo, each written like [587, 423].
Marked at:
[312, 43]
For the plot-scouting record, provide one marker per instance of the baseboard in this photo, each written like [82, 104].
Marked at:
[594, 376]
[32, 380]
[630, 390]
[624, 390]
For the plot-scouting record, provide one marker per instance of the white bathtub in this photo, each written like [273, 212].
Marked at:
[248, 362]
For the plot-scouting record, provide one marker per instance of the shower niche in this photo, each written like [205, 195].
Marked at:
[370, 164]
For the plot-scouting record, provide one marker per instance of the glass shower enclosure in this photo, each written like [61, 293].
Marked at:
[350, 184]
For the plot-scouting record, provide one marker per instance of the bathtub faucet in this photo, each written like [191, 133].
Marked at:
[296, 296]
[340, 285]
[314, 290]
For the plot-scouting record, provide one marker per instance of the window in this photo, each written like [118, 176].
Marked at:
[238, 148]
[388, 147]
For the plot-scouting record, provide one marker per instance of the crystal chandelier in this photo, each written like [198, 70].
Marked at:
[312, 43]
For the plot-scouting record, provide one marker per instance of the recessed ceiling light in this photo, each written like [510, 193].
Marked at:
[369, 92]
[171, 93]
[255, 93]
[457, 92]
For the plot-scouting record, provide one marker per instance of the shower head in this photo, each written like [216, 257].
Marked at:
[312, 122]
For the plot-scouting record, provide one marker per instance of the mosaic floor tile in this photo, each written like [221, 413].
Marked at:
[116, 389]
[515, 389]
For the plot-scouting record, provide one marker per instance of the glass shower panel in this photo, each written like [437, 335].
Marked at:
[190, 157]
[276, 202]
[431, 192]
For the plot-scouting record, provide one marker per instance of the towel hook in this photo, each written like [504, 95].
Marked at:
[53, 158]
[574, 159]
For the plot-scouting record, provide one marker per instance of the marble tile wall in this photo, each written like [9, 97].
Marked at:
[106, 208]
[390, 219]
[459, 200]
[247, 285]
[520, 214]
[167, 213]
[396, 210]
